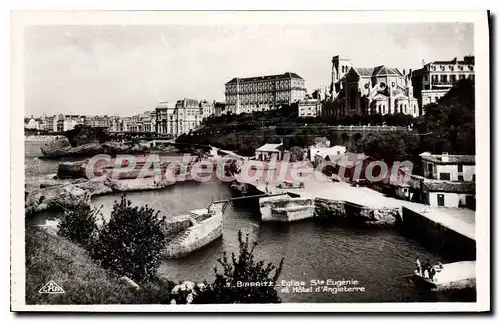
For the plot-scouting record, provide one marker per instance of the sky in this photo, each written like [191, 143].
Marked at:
[124, 70]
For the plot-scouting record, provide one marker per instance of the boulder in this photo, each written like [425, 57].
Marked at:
[54, 147]
[71, 170]
[63, 196]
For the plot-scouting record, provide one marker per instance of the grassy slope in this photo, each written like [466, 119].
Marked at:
[54, 258]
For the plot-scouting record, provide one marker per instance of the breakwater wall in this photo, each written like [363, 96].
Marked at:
[340, 210]
[447, 242]
[286, 208]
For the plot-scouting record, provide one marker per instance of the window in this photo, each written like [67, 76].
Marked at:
[474, 177]
[453, 78]
[451, 68]
[444, 78]
[444, 176]
[471, 77]
[460, 177]
[461, 67]
[461, 77]
[460, 168]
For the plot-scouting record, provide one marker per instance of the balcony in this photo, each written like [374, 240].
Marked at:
[447, 83]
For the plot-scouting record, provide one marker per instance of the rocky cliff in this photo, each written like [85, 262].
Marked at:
[61, 148]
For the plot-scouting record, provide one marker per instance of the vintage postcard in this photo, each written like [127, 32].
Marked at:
[191, 161]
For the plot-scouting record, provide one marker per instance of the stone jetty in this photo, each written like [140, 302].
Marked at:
[195, 230]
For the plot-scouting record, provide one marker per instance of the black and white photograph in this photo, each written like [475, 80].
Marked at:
[180, 161]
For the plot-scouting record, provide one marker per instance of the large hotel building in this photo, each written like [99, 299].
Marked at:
[245, 95]
[435, 79]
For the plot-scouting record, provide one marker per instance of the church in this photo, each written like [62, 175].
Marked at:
[366, 91]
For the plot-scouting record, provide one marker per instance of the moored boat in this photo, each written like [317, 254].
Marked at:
[451, 276]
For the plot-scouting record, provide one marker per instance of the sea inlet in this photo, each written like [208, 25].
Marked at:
[378, 259]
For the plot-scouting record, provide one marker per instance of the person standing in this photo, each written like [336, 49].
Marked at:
[419, 267]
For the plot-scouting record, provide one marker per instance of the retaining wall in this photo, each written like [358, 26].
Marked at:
[447, 242]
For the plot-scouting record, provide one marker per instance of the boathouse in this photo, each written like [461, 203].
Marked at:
[449, 194]
[269, 151]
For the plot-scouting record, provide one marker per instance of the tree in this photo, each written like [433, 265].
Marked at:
[130, 243]
[242, 271]
[79, 224]
[449, 125]
[296, 154]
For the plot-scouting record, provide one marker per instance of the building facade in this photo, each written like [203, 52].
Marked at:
[449, 180]
[181, 117]
[366, 91]
[435, 79]
[449, 167]
[62, 123]
[309, 107]
[97, 121]
[262, 93]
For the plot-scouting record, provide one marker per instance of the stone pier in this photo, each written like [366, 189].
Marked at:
[448, 231]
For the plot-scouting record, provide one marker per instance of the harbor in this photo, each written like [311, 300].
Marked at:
[313, 249]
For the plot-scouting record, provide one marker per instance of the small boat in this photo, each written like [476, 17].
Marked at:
[451, 276]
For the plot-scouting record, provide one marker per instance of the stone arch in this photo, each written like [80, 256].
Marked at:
[344, 139]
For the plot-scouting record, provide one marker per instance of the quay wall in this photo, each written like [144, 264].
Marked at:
[327, 209]
[285, 208]
[433, 235]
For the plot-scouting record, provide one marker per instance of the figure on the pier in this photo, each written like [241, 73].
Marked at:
[419, 267]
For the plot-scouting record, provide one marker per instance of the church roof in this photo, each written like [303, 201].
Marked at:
[383, 70]
[377, 71]
[363, 71]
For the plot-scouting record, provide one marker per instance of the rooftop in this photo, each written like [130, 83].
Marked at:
[447, 186]
[270, 147]
[321, 140]
[448, 158]
[346, 159]
[381, 70]
[286, 75]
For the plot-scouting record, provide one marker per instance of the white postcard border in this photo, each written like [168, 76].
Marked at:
[481, 52]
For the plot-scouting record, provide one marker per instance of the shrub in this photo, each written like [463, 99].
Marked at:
[243, 269]
[79, 224]
[130, 243]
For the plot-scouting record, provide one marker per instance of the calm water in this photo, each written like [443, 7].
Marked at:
[376, 258]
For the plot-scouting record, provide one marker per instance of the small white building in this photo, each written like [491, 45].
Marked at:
[268, 151]
[319, 154]
[309, 108]
[449, 194]
[448, 167]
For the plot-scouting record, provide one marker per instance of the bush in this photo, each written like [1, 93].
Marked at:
[243, 269]
[131, 242]
[55, 258]
[79, 224]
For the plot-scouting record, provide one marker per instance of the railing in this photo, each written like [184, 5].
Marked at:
[368, 128]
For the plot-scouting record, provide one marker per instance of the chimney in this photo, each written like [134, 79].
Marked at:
[445, 157]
